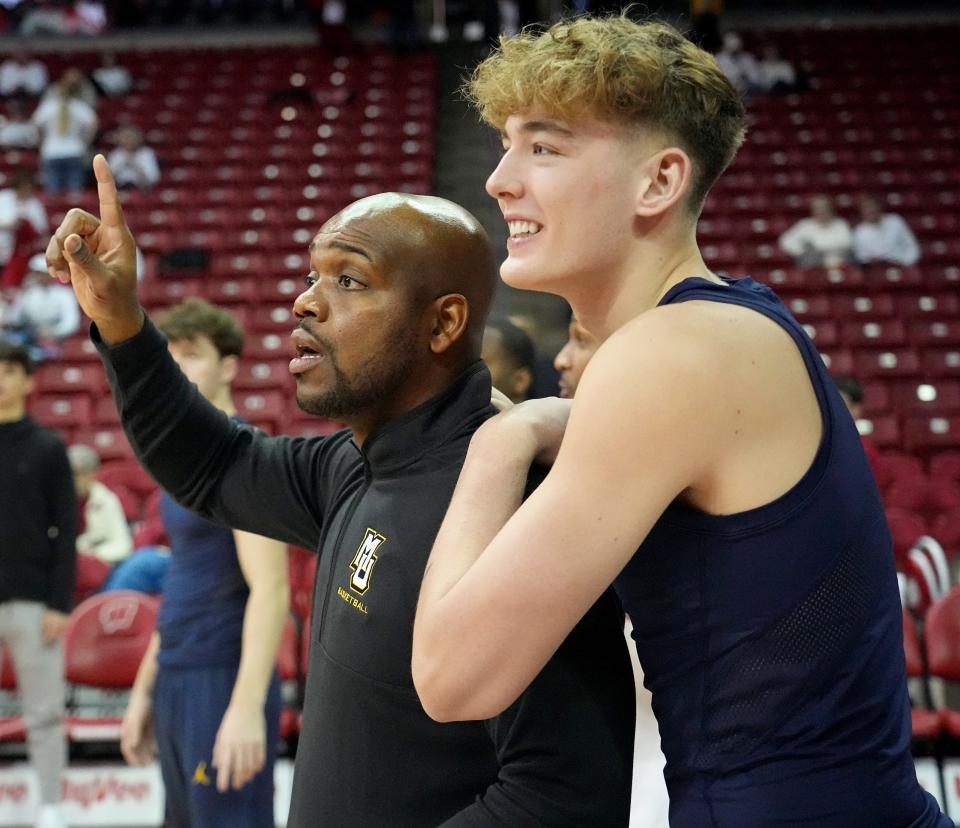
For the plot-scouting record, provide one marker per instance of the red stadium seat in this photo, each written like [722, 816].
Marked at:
[110, 443]
[883, 430]
[946, 464]
[930, 397]
[942, 638]
[263, 408]
[886, 333]
[128, 473]
[91, 575]
[61, 410]
[863, 306]
[924, 723]
[906, 528]
[61, 378]
[12, 728]
[926, 433]
[941, 362]
[892, 362]
[264, 374]
[104, 643]
[944, 332]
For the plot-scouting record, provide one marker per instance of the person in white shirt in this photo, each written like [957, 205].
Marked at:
[133, 163]
[67, 125]
[738, 65]
[777, 76]
[43, 313]
[21, 76]
[883, 237]
[106, 533]
[23, 220]
[822, 239]
[111, 78]
[16, 130]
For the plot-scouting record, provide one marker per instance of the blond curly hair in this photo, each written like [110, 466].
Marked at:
[638, 75]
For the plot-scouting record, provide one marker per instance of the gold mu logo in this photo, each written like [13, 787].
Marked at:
[364, 561]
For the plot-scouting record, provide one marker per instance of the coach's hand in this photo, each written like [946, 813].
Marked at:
[98, 256]
[240, 749]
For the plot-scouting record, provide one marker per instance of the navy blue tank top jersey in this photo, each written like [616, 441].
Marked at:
[204, 595]
[771, 639]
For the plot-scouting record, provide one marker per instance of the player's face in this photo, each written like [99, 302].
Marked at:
[573, 357]
[356, 343]
[199, 359]
[15, 385]
[567, 192]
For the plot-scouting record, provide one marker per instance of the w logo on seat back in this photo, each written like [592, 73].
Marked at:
[363, 562]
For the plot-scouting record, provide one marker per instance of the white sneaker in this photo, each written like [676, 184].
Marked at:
[51, 816]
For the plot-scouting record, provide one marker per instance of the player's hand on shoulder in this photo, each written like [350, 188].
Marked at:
[98, 257]
[532, 427]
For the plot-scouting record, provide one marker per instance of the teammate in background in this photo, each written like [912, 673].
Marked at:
[388, 341]
[707, 465]
[207, 697]
[573, 357]
[511, 358]
[38, 514]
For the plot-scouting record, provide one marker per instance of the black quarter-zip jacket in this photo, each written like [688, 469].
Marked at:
[368, 755]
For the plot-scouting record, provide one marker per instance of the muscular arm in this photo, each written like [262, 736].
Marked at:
[565, 747]
[478, 639]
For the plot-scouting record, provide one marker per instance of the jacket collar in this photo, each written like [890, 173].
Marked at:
[456, 411]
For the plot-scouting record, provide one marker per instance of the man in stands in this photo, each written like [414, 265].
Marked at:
[573, 357]
[38, 514]
[511, 358]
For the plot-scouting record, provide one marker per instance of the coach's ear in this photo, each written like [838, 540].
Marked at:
[450, 315]
[664, 180]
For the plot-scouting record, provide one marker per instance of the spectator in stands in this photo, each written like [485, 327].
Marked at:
[574, 356]
[43, 313]
[133, 163]
[21, 77]
[38, 512]
[511, 358]
[105, 533]
[777, 75]
[851, 391]
[738, 65]
[110, 78]
[67, 125]
[883, 237]
[23, 221]
[545, 377]
[225, 602]
[822, 239]
[16, 129]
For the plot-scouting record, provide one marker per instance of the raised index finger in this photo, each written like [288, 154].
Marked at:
[111, 213]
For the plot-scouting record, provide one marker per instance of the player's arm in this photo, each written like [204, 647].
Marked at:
[207, 462]
[241, 744]
[506, 583]
[137, 742]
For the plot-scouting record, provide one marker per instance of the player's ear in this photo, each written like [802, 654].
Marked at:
[229, 365]
[664, 181]
[449, 321]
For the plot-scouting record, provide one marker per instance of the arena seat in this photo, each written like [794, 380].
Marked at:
[924, 723]
[946, 464]
[12, 728]
[942, 639]
[128, 473]
[105, 640]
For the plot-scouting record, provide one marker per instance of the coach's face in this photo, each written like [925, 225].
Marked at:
[359, 339]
